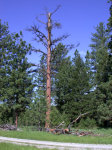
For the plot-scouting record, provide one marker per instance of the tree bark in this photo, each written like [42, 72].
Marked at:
[48, 89]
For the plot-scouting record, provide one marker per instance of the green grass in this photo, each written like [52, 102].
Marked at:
[104, 138]
[7, 146]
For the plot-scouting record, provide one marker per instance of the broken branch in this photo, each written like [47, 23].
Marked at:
[74, 121]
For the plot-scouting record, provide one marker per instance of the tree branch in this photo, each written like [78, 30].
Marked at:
[56, 9]
[36, 31]
[38, 50]
[40, 21]
[61, 124]
[59, 39]
[74, 121]
[69, 47]
[39, 39]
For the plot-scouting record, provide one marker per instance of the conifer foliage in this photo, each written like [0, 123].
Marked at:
[16, 83]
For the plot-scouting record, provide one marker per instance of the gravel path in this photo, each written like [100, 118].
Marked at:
[57, 145]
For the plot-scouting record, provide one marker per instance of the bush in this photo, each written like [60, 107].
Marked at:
[87, 123]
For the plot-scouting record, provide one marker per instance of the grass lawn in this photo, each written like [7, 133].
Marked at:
[104, 138]
[7, 146]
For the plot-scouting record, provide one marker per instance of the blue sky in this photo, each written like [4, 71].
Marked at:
[78, 18]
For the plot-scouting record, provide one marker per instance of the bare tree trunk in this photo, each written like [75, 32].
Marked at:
[48, 90]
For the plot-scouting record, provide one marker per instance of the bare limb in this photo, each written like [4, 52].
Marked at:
[39, 39]
[37, 32]
[40, 21]
[56, 9]
[38, 50]
[70, 46]
[39, 36]
[74, 121]
[61, 124]
[59, 39]
[79, 117]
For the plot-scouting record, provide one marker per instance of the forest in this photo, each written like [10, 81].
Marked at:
[77, 85]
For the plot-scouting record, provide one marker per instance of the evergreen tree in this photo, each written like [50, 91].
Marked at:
[81, 84]
[105, 88]
[58, 54]
[39, 104]
[99, 54]
[109, 25]
[16, 91]
[5, 41]
[101, 69]
[63, 83]
[72, 87]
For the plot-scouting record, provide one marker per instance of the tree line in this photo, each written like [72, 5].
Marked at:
[77, 85]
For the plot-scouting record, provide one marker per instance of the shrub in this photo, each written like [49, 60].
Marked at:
[87, 123]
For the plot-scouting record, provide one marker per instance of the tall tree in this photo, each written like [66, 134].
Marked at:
[17, 91]
[5, 41]
[101, 69]
[99, 54]
[72, 87]
[105, 89]
[48, 43]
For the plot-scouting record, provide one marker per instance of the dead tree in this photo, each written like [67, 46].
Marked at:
[48, 42]
[48, 89]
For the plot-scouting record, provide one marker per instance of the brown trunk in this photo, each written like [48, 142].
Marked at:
[48, 90]
[16, 121]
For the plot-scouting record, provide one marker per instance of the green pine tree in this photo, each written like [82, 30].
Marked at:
[17, 87]
[99, 54]
[72, 87]
[101, 70]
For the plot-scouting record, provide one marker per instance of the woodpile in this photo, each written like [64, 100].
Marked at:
[7, 127]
